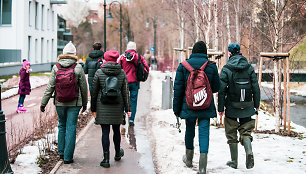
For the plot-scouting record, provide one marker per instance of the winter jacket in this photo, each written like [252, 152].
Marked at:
[129, 66]
[180, 107]
[90, 64]
[67, 61]
[109, 113]
[24, 83]
[237, 62]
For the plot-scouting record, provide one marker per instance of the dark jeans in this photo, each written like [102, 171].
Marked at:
[133, 88]
[67, 123]
[21, 100]
[203, 134]
[105, 137]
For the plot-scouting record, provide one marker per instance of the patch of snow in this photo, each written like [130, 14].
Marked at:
[273, 154]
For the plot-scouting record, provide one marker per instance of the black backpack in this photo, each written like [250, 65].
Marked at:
[141, 73]
[240, 88]
[111, 91]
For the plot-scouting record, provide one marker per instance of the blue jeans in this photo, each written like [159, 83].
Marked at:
[67, 123]
[204, 125]
[133, 88]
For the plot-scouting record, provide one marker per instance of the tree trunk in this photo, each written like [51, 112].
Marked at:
[208, 24]
[181, 41]
[237, 9]
[276, 70]
[228, 22]
[196, 18]
[216, 25]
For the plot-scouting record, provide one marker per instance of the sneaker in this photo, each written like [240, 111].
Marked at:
[20, 110]
[23, 108]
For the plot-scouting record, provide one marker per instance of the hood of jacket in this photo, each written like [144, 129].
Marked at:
[67, 60]
[198, 55]
[96, 54]
[237, 61]
[111, 69]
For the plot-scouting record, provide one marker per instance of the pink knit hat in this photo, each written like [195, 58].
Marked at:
[25, 63]
[111, 56]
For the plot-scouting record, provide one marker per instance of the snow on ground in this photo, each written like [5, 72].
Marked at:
[26, 161]
[36, 81]
[273, 154]
[298, 91]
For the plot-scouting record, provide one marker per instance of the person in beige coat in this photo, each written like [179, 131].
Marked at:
[67, 110]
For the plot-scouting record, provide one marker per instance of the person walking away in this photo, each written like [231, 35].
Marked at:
[239, 94]
[148, 58]
[128, 62]
[24, 85]
[93, 62]
[201, 108]
[109, 99]
[68, 83]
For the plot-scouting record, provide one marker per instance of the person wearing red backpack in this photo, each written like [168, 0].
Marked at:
[191, 114]
[68, 83]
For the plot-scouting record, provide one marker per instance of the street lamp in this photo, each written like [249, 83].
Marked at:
[5, 166]
[154, 27]
[120, 29]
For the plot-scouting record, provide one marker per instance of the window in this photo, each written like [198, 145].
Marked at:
[48, 19]
[48, 51]
[36, 15]
[5, 12]
[29, 48]
[42, 16]
[42, 50]
[52, 51]
[52, 22]
[29, 13]
[36, 51]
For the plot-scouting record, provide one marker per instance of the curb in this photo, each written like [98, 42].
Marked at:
[82, 133]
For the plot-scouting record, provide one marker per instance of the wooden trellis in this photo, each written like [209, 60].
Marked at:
[277, 86]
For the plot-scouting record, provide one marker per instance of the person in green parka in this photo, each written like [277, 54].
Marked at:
[240, 94]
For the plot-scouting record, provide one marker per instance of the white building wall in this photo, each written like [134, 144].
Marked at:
[46, 30]
[15, 36]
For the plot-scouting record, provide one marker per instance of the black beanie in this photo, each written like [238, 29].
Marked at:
[199, 47]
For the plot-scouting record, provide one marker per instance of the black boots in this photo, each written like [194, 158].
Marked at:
[249, 163]
[105, 162]
[187, 158]
[202, 163]
[234, 156]
[119, 154]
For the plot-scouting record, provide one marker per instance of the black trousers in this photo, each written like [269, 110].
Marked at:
[105, 137]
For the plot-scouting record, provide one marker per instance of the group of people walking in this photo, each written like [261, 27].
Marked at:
[114, 86]
[238, 92]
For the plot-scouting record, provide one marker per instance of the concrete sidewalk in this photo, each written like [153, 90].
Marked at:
[88, 155]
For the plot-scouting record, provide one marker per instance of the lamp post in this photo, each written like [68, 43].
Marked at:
[5, 166]
[154, 27]
[120, 29]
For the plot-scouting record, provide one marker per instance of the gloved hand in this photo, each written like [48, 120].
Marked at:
[84, 108]
[42, 108]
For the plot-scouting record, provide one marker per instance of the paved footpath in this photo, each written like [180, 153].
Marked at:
[88, 153]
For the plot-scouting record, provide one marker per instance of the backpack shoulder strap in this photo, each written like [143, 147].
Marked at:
[203, 66]
[139, 58]
[73, 65]
[58, 65]
[187, 66]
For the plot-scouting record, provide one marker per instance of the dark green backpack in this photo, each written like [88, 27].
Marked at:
[240, 88]
[111, 91]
